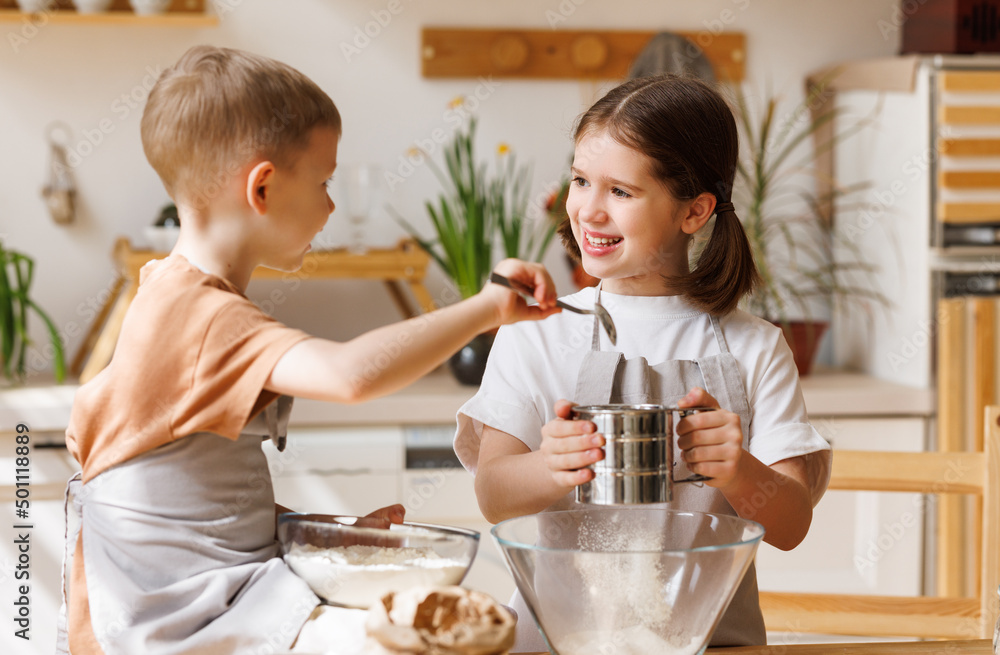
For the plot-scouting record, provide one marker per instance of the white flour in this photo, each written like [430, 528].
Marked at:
[631, 586]
[636, 640]
[358, 576]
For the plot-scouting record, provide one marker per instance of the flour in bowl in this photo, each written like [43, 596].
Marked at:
[636, 640]
[358, 576]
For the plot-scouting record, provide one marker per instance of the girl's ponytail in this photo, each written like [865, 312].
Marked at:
[725, 271]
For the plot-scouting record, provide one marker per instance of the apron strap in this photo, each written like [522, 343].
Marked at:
[719, 337]
[276, 415]
[599, 370]
[724, 381]
[595, 340]
[71, 531]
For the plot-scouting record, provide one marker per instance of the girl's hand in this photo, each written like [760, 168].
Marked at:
[568, 447]
[509, 307]
[711, 443]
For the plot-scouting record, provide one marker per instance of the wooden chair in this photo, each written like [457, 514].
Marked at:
[975, 473]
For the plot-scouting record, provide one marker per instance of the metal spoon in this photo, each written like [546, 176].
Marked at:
[602, 314]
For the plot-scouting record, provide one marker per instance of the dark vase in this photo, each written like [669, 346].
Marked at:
[803, 338]
[469, 363]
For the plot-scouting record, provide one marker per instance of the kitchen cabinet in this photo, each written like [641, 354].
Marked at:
[50, 468]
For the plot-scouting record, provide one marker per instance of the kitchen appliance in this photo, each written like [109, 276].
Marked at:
[638, 454]
[627, 579]
[950, 26]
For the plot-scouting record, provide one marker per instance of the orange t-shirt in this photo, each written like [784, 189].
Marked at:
[193, 356]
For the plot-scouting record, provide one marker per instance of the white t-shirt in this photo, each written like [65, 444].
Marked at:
[535, 363]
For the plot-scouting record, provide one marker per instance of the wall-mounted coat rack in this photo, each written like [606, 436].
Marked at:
[566, 54]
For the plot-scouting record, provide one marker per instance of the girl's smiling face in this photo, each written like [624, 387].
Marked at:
[628, 225]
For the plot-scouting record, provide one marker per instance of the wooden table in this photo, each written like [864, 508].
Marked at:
[970, 647]
[964, 647]
[405, 263]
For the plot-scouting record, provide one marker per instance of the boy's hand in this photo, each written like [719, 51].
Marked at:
[569, 446]
[711, 443]
[382, 517]
[509, 306]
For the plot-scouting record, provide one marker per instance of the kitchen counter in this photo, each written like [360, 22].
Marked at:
[436, 398]
[830, 392]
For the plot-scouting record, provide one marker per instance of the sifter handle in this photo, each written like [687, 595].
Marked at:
[687, 411]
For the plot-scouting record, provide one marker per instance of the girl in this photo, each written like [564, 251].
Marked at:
[654, 161]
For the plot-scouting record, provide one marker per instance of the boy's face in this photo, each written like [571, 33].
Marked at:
[300, 203]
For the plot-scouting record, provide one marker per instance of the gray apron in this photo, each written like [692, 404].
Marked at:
[179, 548]
[607, 377]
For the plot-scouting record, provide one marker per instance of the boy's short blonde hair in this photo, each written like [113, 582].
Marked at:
[217, 109]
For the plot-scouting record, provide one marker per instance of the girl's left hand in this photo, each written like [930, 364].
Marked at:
[711, 443]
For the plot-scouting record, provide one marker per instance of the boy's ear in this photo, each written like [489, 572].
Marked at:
[258, 188]
[699, 211]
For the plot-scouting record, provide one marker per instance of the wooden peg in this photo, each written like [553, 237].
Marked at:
[588, 52]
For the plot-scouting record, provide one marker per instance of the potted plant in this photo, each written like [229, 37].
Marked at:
[803, 262]
[16, 274]
[476, 215]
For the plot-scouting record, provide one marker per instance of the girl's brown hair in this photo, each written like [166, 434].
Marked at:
[216, 109]
[688, 132]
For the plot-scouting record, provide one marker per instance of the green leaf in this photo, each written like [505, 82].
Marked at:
[59, 356]
[16, 276]
[477, 211]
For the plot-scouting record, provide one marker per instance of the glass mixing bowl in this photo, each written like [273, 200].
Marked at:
[627, 580]
[355, 566]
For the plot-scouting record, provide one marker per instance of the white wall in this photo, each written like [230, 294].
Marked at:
[78, 74]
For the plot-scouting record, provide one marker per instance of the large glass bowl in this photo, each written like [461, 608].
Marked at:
[353, 566]
[627, 580]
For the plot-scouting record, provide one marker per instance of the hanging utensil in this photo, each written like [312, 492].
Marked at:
[602, 314]
[60, 191]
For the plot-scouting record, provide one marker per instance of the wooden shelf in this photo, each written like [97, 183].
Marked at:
[70, 17]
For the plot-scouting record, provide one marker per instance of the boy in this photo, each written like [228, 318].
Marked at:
[176, 549]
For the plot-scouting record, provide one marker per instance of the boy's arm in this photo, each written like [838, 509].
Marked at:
[391, 357]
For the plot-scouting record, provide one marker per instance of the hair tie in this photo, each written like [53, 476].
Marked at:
[724, 207]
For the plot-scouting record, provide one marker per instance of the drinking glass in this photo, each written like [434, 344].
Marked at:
[362, 191]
